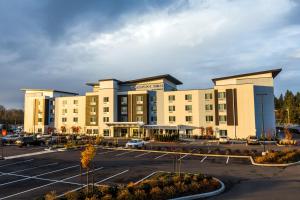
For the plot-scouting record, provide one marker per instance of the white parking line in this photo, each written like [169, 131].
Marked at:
[120, 154]
[142, 154]
[32, 177]
[161, 156]
[227, 160]
[183, 156]
[22, 170]
[203, 159]
[76, 189]
[16, 163]
[105, 152]
[145, 177]
[16, 194]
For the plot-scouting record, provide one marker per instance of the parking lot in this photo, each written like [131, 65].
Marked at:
[32, 177]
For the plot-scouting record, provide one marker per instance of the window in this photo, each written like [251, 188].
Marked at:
[40, 119]
[209, 118]
[65, 102]
[139, 118]
[124, 118]
[75, 110]
[222, 107]
[105, 99]
[40, 130]
[106, 109]
[188, 97]
[75, 119]
[171, 97]
[93, 110]
[171, 108]
[52, 111]
[188, 107]
[153, 118]
[221, 95]
[95, 131]
[139, 99]
[139, 109]
[188, 118]
[208, 96]
[154, 108]
[105, 119]
[64, 111]
[51, 119]
[222, 118]
[75, 102]
[172, 118]
[123, 100]
[153, 98]
[208, 107]
[93, 99]
[106, 132]
[64, 119]
[223, 133]
[124, 110]
[93, 119]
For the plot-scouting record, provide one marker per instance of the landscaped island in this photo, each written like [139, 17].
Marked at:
[159, 186]
[279, 157]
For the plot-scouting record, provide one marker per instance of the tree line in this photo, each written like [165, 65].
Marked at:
[287, 108]
[11, 116]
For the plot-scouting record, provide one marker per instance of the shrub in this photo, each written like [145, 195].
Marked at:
[169, 191]
[50, 196]
[124, 195]
[107, 197]
[140, 195]
[73, 195]
[98, 140]
[156, 193]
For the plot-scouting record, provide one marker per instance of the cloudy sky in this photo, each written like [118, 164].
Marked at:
[62, 44]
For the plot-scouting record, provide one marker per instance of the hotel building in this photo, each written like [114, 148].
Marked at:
[237, 106]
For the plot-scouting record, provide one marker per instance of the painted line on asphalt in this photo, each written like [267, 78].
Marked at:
[104, 152]
[142, 154]
[120, 154]
[22, 170]
[16, 194]
[183, 156]
[227, 161]
[145, 177]
[9, 164]
[160, 156]
[76, 189]
[203, 159]
[32, 177]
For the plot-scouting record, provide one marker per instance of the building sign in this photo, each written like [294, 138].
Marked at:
[150, 86]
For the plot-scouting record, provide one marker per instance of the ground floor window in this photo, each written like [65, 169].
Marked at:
[40, 130]
[223, 133]
[89, 131]
[95, 131]
[106, 132]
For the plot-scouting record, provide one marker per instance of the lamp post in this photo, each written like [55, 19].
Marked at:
[262, 117]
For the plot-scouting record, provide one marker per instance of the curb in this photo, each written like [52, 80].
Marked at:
[273, 165]
[204, 195]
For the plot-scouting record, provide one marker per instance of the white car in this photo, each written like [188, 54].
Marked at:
[135, 143]
[252, 140]
[223, 140]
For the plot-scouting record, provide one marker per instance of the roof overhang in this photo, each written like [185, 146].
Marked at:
[48, 90]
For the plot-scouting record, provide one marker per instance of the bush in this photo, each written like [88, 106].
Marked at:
[156, 193]
[50, 196]
[169, 191]
[73, 195]
[140, 195]
[124, 195]
[285, 156]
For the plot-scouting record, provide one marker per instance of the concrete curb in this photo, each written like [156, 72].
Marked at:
[273, 165]
[204, 195]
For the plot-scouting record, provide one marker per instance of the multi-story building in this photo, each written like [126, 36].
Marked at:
[237, 106]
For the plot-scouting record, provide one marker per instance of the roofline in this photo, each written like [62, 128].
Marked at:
[165, 76]
[274, 72]
[110, 79]
[49, 90]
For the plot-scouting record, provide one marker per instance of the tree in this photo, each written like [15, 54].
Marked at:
[87, 157]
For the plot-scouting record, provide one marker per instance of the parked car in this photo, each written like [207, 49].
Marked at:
[27, 140]
[10, 139]
[135, 143]
[223, 140]
[252, 140]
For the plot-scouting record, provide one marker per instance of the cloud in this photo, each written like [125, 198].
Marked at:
[64, 45]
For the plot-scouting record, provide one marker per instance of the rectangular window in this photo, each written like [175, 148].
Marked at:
[222, 107]
[64, 119]
[75, 119]
[124, 119]
[188, 118]
[124, 100]
[65, 111]
[105, 119]
[208, 107]
[153, 98]
[154, 108]
[139, 99]
[221, 95]
[75, 102]
[139, 118]
[75, 110]
[93, 110]
[188, 97]
[223, 133]
[51, 120]
[93, 119]
[209, 118]
[105, 109]
[40, 119]
[153, 118]
[65, 102]
[171, 108]
[139, 109]
[106, 132]
[171, 97]
[105, 99]
[208, 96]
[172, 118]
[40, 130]
[124, 110]
[93, 99]
[222, 118]
[188, 107]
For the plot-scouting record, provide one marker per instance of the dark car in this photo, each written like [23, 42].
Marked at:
[27, 140]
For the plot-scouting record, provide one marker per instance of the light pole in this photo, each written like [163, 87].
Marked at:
[262, 117]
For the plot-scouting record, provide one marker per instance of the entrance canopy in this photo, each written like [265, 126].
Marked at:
[125, 124]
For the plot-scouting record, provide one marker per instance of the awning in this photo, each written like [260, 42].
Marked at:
[125, 124]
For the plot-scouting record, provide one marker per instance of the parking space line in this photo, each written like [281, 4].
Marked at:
[203, 159]
[142, 154]
[160, 156]
[104, 152]
[9, 164]
[146, 177]
[227, 160]
[35, 188]
[120, 154]
[22, 170]
[183, 156]
[32, 177]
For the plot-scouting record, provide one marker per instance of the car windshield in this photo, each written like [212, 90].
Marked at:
[135, 141]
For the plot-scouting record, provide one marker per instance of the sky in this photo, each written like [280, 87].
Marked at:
[62, 45]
